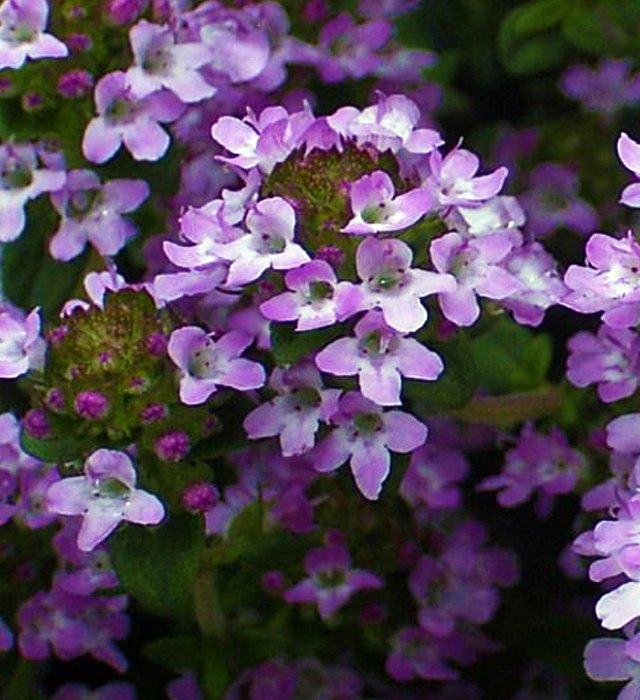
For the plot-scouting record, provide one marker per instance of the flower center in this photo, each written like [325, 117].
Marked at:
[157, 61]
[112, 488]
[319, 291]
[368, 423]
[16, 174]
[82, 202]
[331, 578]
[202, 363]
[121, 111]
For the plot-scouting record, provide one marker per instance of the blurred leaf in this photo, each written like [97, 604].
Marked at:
[180, 653]
[289, 345]
[510, 409]
[245, 531]
[158, 566]
[53, 451]
[456, 384]
[587, 31]
[510, 358]
[528, 40]
[30, 276]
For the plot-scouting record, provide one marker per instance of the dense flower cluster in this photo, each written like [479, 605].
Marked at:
[230, 292]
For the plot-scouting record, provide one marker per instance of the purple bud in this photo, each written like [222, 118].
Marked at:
[333, 538]
[331, 254]
[78, 43]
[153, 413]
[315, 11]
[37, 424]
[31, 101]
[6, 87]
[172, 446]
[372, 614]
[91, 404]
[56, 335]
[274, 582]
[124, 11]
[55, 400]
[157, 344]
[75, 12]
[200, 497]
[74, 83]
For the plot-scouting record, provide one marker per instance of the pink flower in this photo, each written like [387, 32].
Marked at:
[104, 497]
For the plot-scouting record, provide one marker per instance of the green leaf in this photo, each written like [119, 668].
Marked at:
[528, 40]
[158, 566]
[510, 358]
[180, 653]
[30, 277]
[587, 31]
[456, 384]
[289, 345]
[245, 531]
[53, 451]
[510, 409]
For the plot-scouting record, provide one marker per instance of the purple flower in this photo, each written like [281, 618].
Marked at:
[105, 496]
[477, 264]
[125, 119]
[92, 212]
[161, 63]
[379, 356]
[391, 285]
[21, 346]
[294, 414]
[629, 154]
[609, 659]
[364, 435]
[544, 462]
[376, 210]
[418, 654]
[604, 89]
[21, 179]
[112, 691]
[348, 50]
[331, 581]
[316, 298]
[611, 359]
[269, 244]
[390, 124]
[454, 181]
[611, 283]
[22, 35]
[551, 201]
[205, 364]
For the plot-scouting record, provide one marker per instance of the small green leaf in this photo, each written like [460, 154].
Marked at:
[456, 384]
[528, 39]
[290, 345]
[510, 358]
[158, 566]
[180, 653]
[588, 31]
[510, 409]
[245, 532]
[54, 451]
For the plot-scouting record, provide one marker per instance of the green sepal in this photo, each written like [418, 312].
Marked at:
[158, 566]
